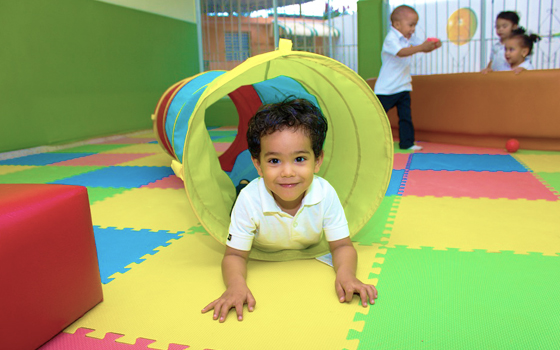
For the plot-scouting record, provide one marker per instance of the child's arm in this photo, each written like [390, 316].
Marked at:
[518, 70]
[344, 263]
[426, 46]
[234, 271]
[488, 68]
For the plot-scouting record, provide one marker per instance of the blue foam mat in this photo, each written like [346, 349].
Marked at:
[465, 162]
[122, 176]
[119, 248]
[43, 158]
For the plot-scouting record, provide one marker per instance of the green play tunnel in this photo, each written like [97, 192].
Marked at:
[358, 149]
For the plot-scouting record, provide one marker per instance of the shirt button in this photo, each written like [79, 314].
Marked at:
[295, 223]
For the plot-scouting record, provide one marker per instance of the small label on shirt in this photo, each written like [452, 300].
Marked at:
[229, 237]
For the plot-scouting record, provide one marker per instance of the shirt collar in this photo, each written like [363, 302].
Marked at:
[314, 195]
[399, 35]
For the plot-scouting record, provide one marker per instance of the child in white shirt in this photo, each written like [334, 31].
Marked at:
[288, 207]
[394, 83]
[506, 23]
[519, 47]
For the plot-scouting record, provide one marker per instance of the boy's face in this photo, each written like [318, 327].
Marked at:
[407, 24]
[287, 164]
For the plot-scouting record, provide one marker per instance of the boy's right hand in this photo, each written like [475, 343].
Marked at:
[233, 297]
[430, 45]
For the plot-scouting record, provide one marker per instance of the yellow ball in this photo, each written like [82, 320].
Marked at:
[461, 26]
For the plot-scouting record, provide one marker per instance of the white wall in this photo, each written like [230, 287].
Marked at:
[179, 9]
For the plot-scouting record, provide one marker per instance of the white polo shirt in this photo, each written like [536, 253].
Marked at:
[256, 219]
[394, 76]
[526, 64]
[498, 58]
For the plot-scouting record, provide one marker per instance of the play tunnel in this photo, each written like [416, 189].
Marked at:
[358, 148]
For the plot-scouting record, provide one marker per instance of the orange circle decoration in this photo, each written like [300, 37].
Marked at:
[461, 26]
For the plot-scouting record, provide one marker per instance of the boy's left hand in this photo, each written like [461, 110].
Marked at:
[347, 285]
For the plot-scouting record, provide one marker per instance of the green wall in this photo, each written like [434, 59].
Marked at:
[77, 69]
[370, 37]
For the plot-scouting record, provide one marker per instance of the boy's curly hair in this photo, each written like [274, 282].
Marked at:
[292, 113]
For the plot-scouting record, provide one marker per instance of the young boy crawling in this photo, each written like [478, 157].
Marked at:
[287, 207]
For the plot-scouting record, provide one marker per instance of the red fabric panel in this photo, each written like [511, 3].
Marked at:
[247, 102]
[48, 262]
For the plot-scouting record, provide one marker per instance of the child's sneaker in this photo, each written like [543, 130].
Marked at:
[415, 148]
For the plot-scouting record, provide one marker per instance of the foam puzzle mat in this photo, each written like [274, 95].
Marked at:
[464, 251]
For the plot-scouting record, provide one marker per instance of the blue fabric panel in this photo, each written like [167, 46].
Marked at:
[278, 89]
[243, 168]
[184, 102]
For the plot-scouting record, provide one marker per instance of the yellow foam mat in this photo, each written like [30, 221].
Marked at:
[146, 208]
[160, 159]
[161, 299]
[518, 225]
[142, 134]
[541, 162]
[8, 169]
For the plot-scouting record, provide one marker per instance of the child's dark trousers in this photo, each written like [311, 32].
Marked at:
[401, 100]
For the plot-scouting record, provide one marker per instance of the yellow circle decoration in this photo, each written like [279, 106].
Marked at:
[461, 26]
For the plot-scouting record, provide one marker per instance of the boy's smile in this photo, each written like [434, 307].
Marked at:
[287, 164]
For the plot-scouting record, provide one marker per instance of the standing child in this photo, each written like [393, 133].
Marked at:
[288, 207]
[394, 83]
[519, 47]
[506, 23]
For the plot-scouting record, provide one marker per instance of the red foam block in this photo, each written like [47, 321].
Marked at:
[48, 262]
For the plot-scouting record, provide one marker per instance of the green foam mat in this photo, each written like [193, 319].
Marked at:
[375, 230]
[97, 194]
[551, 179]
[45, 174]
[431, 299]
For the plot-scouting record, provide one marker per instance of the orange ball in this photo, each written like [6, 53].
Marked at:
[512, 145]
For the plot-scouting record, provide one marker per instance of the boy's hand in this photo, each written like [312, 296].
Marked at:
[347, 285]
[518, 70]
[233, 297]
[486, 70]
[429, 45]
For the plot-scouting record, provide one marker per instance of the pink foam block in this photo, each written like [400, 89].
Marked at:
[475, 184]
[48, 262]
